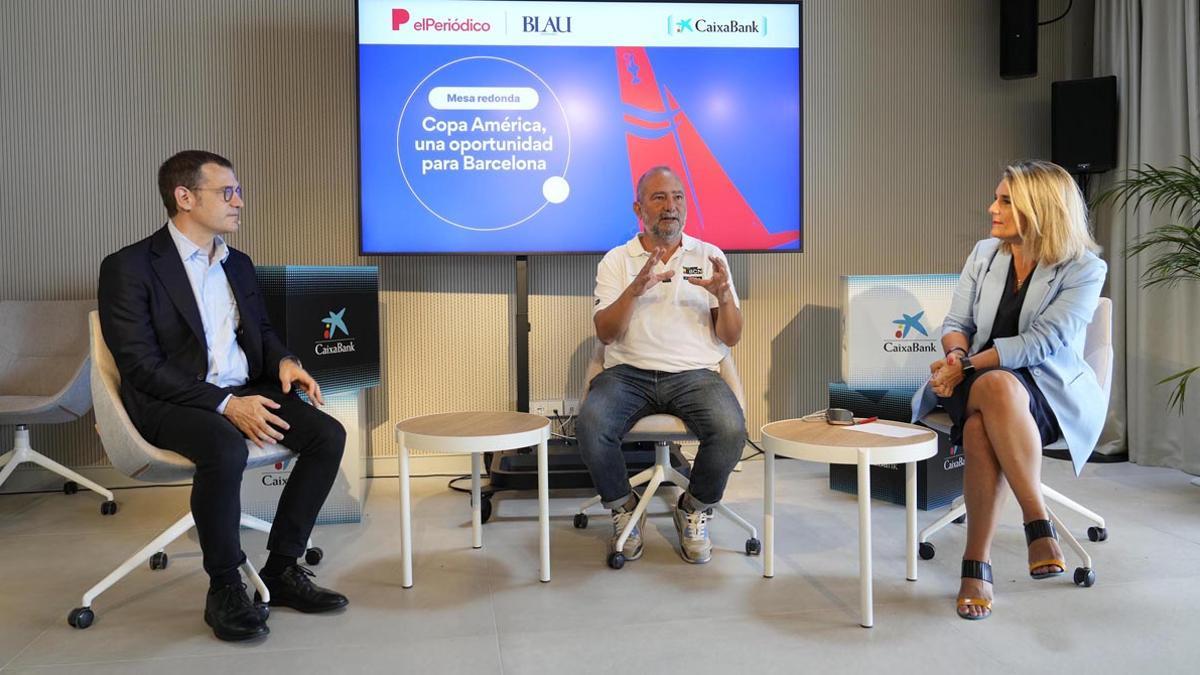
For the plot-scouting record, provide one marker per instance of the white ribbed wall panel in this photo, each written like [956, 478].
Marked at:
[907, 125]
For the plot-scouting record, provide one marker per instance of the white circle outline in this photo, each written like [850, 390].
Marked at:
[400, 161]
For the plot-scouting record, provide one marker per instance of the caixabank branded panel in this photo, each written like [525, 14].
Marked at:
[329, 318]
[892, 328]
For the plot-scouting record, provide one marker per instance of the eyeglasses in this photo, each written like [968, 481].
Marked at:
[227, 192]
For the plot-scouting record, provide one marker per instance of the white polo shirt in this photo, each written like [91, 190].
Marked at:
[671, 328]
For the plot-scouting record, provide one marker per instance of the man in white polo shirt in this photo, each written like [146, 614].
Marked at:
[668, 313]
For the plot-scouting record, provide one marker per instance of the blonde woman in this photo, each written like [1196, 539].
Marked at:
[1013, 377]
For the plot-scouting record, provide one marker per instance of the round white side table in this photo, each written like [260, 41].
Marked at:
[821, 442]
[474, 433]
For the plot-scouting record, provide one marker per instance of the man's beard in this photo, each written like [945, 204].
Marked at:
[666, 229]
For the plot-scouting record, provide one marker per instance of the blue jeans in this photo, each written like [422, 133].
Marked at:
[620, 396]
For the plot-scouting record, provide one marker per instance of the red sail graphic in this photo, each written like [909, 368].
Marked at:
[717, 211]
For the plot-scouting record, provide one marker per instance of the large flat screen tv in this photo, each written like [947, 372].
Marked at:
[522, 127]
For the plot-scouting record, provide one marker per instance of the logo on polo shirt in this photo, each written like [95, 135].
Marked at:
[691, 272]
[330, 343]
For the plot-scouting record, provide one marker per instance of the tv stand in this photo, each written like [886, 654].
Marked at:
[517, 469]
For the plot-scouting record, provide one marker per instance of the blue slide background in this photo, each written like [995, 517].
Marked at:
[745, 103]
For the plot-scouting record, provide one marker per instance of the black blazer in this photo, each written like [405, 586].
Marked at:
[151, 323]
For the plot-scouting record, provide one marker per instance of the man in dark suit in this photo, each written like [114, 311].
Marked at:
[202, 371]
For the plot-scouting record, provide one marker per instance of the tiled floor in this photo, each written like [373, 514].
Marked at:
[484, 611]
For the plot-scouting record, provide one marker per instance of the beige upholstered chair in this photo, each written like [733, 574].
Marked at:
[44, 380]
[662, 430]
[136, 458]
[1098, 353]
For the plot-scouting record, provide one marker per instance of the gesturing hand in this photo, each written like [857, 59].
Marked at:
[718, 283]
[291, 372]
[253, 417]
[647, 278]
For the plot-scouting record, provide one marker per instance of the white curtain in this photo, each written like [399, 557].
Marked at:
[1153, 47]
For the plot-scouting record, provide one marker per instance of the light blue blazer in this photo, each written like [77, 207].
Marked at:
[1058, 308]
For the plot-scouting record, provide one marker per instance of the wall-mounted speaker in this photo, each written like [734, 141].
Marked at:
[1083, 131]
[1018, 38]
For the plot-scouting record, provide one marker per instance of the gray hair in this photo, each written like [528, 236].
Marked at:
[662, 168]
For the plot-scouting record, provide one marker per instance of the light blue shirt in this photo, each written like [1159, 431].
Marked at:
[227, 365]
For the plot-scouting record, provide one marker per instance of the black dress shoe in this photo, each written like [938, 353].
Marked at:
[232, 616]
[294, 589]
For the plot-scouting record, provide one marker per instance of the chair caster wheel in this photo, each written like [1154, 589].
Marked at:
[581, 521]
[108, 508]
[616, 560]
[159, 561]
[753, 546]
[1085, 576]
[960, 520]
[81, 617]
[1098, 533]
[264, 610]
[70, 487]
[314, 555]
[485, 509]
[925, 550]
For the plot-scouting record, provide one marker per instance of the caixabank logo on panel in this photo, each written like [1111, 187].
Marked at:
[910, 335]
[330, 343]
[955, 460]
[278, 477]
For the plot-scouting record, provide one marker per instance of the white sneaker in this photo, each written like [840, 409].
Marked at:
[633, 544]
[692, 526]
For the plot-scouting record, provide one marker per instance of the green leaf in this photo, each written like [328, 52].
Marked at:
[1179, 394]
[1174, 247]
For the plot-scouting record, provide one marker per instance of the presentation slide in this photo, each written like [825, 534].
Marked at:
[522, 127]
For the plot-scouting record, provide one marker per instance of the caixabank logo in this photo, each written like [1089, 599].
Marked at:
[910, 335]
[692, 24]
[278, 477]
[330, 343]
[955, 460]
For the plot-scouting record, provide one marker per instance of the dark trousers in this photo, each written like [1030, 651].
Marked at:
[219, 451]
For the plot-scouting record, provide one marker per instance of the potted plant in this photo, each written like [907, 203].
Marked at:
[1175, 246]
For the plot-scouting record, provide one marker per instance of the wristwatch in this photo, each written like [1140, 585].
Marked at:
[967, 366]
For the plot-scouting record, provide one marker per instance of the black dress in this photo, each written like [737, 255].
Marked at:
[1008, 316]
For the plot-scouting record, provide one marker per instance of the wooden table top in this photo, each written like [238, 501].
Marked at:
[830, 435]
[472, 423]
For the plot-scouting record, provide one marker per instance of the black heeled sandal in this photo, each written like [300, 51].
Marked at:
[975, 569]
[1039, 529]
